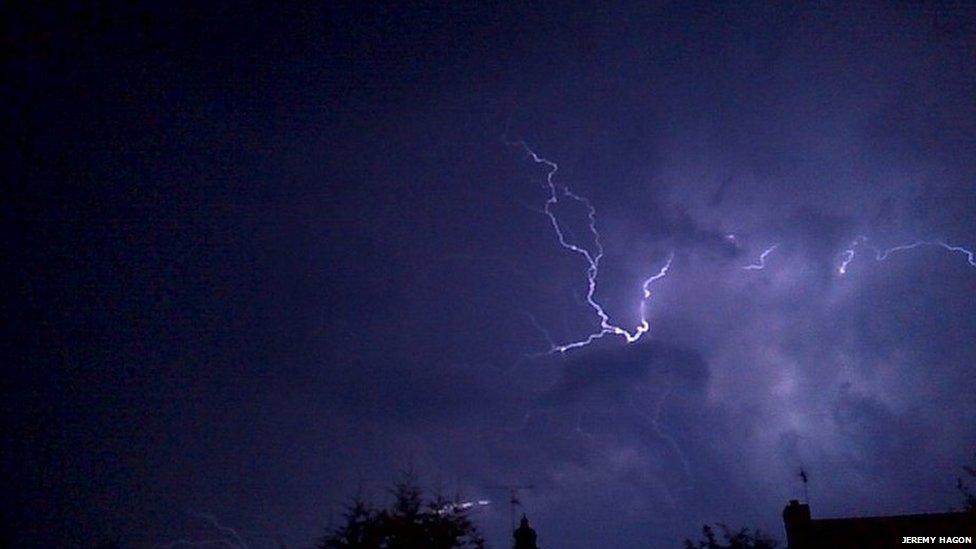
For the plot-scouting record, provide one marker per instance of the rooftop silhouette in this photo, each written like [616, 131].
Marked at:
[804, 532]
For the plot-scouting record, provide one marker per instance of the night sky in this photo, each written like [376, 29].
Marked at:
[259, 260]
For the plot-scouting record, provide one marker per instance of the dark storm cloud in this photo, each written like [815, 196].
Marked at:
[610, 371]
[683, 231]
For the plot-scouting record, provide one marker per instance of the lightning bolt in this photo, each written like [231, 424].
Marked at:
[593, 254]
[848, 255]
[545, 333]
[674, 444]
[762, 259]
[970, 256]
[592, 258]
[655, 422]
[881, 255]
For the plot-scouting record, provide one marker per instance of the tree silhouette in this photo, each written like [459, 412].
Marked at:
[741, 539]
[410, 522]
[967, 492]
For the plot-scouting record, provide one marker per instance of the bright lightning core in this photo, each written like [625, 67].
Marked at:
[556, 193]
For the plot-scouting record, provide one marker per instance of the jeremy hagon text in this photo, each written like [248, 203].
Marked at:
[939, 539]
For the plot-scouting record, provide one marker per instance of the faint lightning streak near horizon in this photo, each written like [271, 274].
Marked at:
[762, 259]
[226, 530]
[592, 259]
[235, 541]
[220, 542]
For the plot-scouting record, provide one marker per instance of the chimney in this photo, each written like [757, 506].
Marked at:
[796, 518]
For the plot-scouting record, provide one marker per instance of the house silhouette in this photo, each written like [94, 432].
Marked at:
[803, 532]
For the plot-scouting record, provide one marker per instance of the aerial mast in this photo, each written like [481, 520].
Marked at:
[806, 492]
[513, 501]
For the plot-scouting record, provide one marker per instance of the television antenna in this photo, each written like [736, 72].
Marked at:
[513, 500]
[806, 491]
